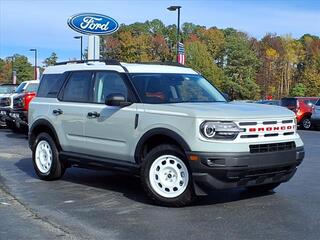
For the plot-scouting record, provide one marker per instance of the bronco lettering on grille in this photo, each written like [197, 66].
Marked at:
[270, 129]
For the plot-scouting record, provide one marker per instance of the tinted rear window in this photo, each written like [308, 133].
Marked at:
[318, 103]
[288, 102]
[50, 85]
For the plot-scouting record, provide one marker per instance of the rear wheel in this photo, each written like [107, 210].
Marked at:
[263, 188]
[166, 177]
[45, 158]
[306, 123]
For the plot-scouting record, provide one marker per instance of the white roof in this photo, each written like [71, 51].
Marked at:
[31, 81]
[132, 68]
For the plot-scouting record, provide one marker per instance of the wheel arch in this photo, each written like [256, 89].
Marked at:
[40, 126]
[155, 137]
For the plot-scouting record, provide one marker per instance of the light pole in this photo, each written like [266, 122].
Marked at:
[174, 8]
[35, 62]
[12, 59]
[79, 37]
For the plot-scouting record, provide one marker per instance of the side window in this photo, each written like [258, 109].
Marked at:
[78, 87]
[107, 83]
[318, 103]
[32, 87]
[50, 85]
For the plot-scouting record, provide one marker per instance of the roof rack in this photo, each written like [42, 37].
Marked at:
[164, 63]
[106, 61]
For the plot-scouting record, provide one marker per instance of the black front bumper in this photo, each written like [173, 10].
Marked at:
[231, 170]
[18, 117]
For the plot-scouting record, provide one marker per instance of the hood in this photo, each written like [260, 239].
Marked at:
[224, 110]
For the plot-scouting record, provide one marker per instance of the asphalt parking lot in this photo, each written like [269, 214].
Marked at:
[88, 204]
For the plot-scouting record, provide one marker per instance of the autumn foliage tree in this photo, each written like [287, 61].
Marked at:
[242, 66]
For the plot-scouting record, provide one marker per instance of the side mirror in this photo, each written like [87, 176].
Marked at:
[226, 96]
[116, 99]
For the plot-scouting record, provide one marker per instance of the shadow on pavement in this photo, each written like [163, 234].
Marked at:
[130, 186]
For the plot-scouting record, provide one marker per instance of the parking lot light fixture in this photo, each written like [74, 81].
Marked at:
[35, 61]
[80, 37]
[174, 8]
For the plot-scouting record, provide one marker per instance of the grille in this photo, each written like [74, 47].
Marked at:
[4, 102]
[272, 147]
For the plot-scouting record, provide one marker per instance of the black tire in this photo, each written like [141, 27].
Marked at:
[306, 123]
[263, 188]
[57, 168]
[186, 197]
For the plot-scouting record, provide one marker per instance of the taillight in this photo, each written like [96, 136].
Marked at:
[27, 99]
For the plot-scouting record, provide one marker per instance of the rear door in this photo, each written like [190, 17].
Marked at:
[110, 133]
[69, 112]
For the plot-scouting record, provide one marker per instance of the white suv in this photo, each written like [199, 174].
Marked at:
[165, 123]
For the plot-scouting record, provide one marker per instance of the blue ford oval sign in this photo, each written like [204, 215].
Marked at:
[93, 23]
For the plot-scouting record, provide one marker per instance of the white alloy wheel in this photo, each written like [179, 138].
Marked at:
[43, 156]
[169, 176]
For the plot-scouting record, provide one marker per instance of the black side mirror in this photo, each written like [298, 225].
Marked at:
[116, 99]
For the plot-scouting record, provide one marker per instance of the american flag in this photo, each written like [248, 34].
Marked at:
[181, 55]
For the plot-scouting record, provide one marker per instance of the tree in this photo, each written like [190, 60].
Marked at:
[299, 90]
[18, 63]
[199, 59]
[24, 69]
[49, 61]
[240, 66]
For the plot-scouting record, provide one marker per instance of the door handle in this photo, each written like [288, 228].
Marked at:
[57, 111]
[93, 114]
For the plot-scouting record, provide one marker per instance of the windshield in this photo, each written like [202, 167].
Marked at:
[174, 88]
[32, 87]
[6, 89]
[20, 88]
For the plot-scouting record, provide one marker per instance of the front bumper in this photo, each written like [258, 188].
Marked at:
[17, 117]
[231, 170]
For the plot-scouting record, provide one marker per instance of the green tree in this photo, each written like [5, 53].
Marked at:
[24, 69]
[198, 58]
[299, 90]
[240, 66]
[49, 61]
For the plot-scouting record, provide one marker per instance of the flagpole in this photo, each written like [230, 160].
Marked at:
[178, 32]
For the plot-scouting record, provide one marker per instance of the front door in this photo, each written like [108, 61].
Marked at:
[110, 130]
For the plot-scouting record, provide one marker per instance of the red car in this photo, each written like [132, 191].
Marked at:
[302, 107]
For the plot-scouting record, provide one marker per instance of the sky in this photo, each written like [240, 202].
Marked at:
[42, 24]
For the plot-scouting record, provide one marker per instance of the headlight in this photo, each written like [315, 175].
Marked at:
[220, 130]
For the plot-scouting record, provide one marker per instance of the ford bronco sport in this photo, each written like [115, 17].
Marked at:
[165, 123]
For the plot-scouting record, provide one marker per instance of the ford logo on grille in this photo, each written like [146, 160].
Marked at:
[93, 23]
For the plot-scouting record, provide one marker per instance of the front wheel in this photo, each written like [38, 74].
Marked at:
[306, 123]
[166, 177]
[45, 158]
